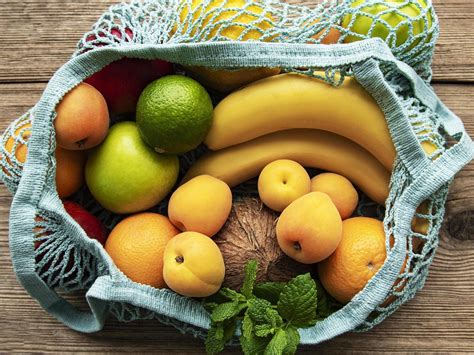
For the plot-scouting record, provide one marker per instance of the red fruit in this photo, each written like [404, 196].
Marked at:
[122, 82]
[91, 224]
[118, 34]
[93, 228]
[115, 32]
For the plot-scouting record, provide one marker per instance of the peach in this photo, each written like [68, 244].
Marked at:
[82, 119]
[282, 182]
[201, 205]
[193, 265]
[69, 171]
[340, 190]
[310, 228]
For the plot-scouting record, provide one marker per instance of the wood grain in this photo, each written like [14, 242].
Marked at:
[440, 318]
[39, 36]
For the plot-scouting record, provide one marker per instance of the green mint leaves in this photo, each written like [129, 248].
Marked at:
[250, 277]
[269, 314]
[298, 301]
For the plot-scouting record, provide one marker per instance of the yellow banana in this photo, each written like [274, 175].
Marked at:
[309, 147]
[288, 101]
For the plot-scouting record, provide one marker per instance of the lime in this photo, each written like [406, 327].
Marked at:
[174, 114]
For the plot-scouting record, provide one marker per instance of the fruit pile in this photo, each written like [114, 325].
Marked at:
[121, 133]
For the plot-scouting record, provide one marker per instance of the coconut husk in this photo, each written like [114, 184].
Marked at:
[250, 234]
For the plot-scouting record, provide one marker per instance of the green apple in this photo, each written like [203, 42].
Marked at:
[362, 24]
[125, 175]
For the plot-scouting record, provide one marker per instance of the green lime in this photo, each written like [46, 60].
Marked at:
[174, 114]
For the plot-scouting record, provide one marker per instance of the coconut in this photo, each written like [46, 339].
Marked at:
[249, 233]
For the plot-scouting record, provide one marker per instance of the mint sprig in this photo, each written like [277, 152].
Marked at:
[269, 314]
[298, 301]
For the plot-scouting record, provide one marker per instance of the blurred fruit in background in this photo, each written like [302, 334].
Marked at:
[215, 14]
[395, 13]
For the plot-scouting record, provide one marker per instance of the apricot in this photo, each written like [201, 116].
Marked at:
[82, 119]
[69, 164]
[69, 171]
[282, 182]
[193, 265]
[310, 228]
[331, 36]
[201, 205]
[340, 190]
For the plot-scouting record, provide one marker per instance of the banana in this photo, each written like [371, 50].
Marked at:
[288, 101]
[309, 147]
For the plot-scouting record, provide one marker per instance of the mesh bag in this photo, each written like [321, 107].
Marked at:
[394, 69]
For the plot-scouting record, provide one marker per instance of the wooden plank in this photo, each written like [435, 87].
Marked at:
[440, 318]
[39, 36]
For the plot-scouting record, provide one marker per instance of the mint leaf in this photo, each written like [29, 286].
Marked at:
[269, 291]
[215, 341]
[219, 335]
[210, 306]
[327, 305]
[292, 340]
[298, 301]
[229, 330]
[263, 330]
[229, 294]
[250, 343]
[257, 310]
[254, 345]
[225, 311]
[266, 321]
[247, 326]
[224, 295]
[250, 277]
[277, 345]
[273, 318]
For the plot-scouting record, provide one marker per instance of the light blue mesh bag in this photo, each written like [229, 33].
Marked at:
[395, 71]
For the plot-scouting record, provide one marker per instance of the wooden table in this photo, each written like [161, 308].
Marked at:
[37, 36]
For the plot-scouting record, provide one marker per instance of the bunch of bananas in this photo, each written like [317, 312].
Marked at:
[305, 119]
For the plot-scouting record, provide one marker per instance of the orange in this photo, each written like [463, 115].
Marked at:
[137, 244]
[21, 136]
[358, 257]
[69, 171]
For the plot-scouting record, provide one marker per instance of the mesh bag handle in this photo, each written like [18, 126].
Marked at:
[363, 56]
